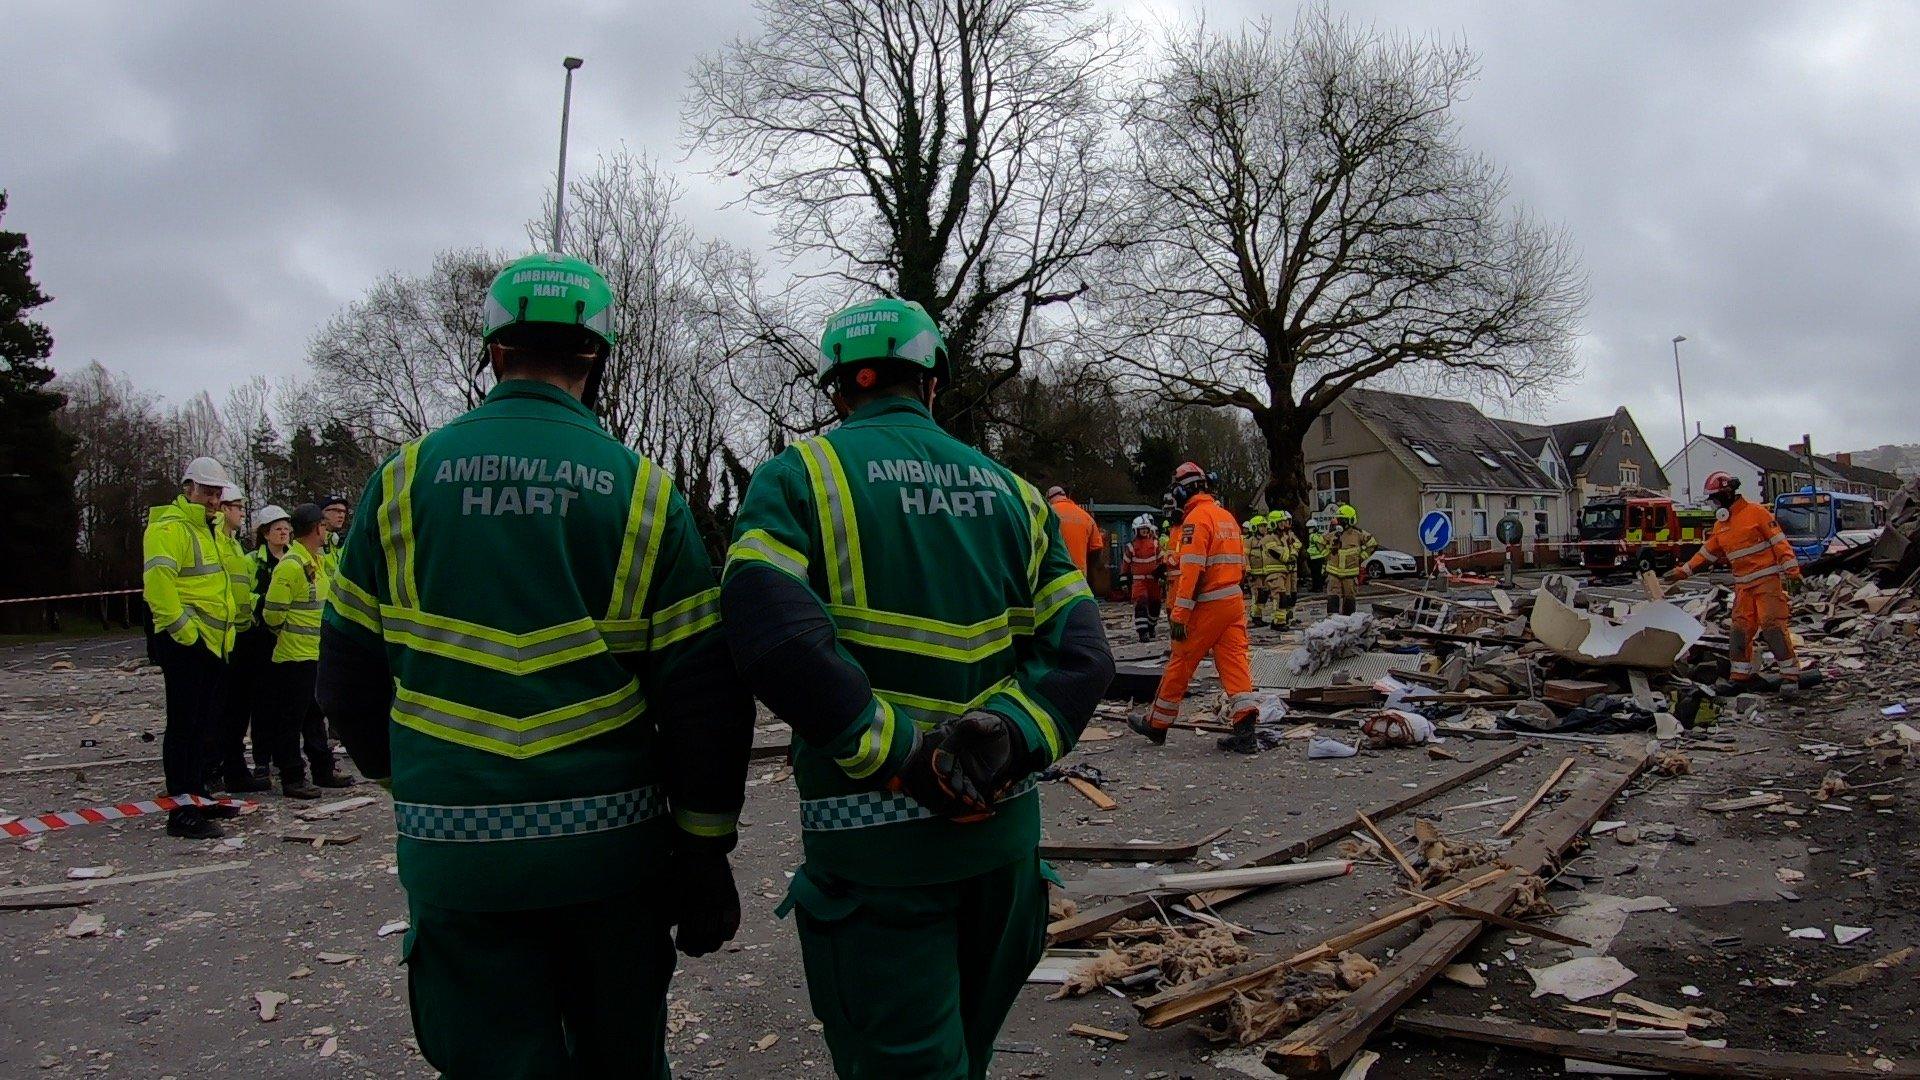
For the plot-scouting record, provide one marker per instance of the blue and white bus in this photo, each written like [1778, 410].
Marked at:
[1817, 522]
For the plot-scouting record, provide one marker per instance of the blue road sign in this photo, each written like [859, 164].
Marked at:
[1436, 531]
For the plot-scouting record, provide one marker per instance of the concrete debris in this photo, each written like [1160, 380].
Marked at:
[1331, 639]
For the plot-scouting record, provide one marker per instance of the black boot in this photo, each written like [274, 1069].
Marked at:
[334, 780]
[296, 787]
[1243, 740]
[248, 784]
[1155, 735]
[188, 823]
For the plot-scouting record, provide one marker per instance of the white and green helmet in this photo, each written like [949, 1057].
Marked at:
[885, 329]
[553, 289]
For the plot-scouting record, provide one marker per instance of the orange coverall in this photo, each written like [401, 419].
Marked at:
[1143, 564]
[1750, 541]
[1206, 599]
[1077, 527]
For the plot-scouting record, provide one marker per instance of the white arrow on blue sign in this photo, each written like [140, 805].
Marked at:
[1436, 531]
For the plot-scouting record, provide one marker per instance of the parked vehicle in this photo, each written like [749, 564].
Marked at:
[1817, 522]
[1390, 563]
[1639, 533]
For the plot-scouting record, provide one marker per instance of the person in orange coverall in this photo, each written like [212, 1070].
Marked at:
[1142, 555]
[1082, 534]
[1749, 539]
[1205, 607]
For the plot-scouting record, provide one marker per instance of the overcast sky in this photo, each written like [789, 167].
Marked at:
[204, 183]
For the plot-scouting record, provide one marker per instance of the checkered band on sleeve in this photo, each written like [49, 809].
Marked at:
[872, 808]
[528, 821]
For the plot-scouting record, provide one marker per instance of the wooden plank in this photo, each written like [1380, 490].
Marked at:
[332, 809]
[1110, 852]
[1616, 1016]
[1191, 999]
[1090, 922]
[1088, 1031]
[1093, 793]
[1527, 807]
[1503, 921]
[1337, 1034]
[1406, 867]
[129, 879]
[68, 766]
[42, 905]
[1694, 1060]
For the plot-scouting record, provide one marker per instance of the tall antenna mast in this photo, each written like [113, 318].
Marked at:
[572, 64]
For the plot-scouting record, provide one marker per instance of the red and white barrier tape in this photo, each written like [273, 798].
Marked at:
[94, 815]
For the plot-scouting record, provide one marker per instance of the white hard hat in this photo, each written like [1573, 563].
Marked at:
[205, 470]
[229, 493]
[267, 515]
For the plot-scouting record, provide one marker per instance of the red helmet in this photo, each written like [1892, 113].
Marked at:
[1721, 481]
[1188, 472]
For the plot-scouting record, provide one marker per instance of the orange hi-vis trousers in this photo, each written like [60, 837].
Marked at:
[1216, 626]
[1760, 615]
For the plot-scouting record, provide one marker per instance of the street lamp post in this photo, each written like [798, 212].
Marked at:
[1686, 462]
[572, 64]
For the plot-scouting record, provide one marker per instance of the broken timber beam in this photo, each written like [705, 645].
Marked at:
[1088, 923]
[1068, 850]
[1694, 1060]
[1335, 1035]
[1527, 807]
[1502, 920]
[90, 884]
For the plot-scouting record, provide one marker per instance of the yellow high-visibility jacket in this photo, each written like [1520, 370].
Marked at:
[184, 578]
[295, 597]
[240, 569]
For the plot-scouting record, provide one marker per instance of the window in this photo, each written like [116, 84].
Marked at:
[1578, 449]
[1629, 474]
[1445, 500]
[1424, 454]
[1486, 459]
[1540, 525]
[1513, 502]
[1330, 486]
[1626, 438]
[1326, 428]
[1540, 503]
[1479, 501]
[1479, 524]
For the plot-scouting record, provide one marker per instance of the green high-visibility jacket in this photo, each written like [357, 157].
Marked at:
[1316, 544]
[562, 711]
[295, 596]
[949, 589]
[184, 578]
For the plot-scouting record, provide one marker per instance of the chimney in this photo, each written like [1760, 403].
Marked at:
[1844, 458]
[1798, 449]
[1730, 432]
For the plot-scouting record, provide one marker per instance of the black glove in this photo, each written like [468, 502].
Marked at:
[984, 742]
[706, 906]
[933, 777]
[1179, 631]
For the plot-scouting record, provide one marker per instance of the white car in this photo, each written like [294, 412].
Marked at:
[1390, 563]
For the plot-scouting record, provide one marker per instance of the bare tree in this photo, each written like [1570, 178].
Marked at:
[406, 357]
[127, 459]
[241, 421]
[1309, 219]
[950, 152]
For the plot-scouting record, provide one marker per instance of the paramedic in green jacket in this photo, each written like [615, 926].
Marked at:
[906, 604]
[524, 637]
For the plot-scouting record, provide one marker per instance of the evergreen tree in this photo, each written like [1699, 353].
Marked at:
[37, 520]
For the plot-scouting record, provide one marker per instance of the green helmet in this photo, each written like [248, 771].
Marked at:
[884, 329]
[551, 288]
[1348, 513]
[1280, 515]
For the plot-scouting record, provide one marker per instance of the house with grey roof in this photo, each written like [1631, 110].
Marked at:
[1606, 455]
[1768, 471]
[1397, 456]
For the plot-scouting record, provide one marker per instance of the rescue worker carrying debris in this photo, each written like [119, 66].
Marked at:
[1144, 566]
[1764, 571]
[1349, 548]
[1206, 610]
[523, 636]
[923, 693]
[1280, 551]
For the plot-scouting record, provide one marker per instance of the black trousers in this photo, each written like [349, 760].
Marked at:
[249, 699]
[196, 685]
[300, 726]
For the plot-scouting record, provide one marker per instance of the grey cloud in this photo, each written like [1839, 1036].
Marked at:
[205, 183]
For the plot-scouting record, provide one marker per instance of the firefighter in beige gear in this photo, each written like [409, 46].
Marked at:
[1349, 547]
[1280, 551]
